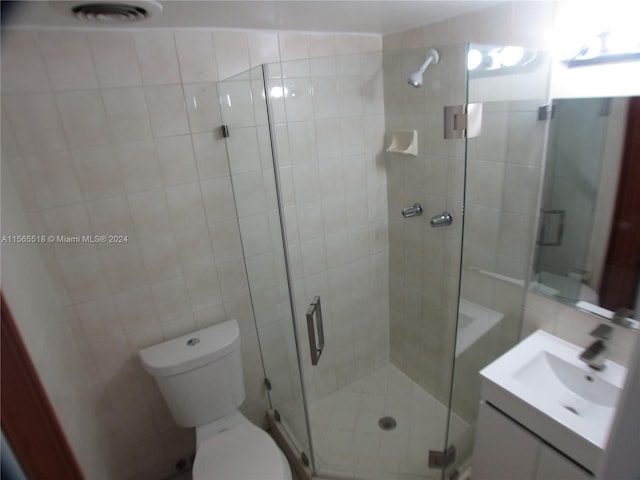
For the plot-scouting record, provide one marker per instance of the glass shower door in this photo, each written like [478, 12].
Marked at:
[425, 261]
[246, 127]
[378, 398]
[328, 126]
[504, 166]
[309, 165]
[379, 395]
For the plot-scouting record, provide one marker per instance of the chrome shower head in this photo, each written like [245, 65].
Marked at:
[415, 79]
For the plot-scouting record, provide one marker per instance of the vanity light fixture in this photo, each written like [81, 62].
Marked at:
[498, 60]
[607, 47]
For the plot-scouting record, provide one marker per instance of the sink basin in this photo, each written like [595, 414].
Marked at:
[565, 383]
[542, 384]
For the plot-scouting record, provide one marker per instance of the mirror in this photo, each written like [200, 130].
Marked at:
[588, 245]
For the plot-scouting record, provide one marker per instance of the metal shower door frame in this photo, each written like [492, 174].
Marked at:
[287, 260]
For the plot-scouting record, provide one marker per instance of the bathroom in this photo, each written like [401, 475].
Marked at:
[116, 131]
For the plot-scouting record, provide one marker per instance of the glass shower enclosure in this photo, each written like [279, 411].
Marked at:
[392, 390]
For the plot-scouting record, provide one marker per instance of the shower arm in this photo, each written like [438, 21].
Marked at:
[426, 64]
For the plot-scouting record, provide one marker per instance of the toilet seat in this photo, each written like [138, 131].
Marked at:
[244, 452]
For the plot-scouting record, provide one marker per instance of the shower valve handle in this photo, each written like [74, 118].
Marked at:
[441, 220]
[414, 210]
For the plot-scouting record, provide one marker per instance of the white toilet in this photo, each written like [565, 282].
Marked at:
[200, 376]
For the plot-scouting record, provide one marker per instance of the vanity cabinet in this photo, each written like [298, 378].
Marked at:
[554, 466]
[504, 450]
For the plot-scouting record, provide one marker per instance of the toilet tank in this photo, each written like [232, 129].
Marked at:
[199, 374]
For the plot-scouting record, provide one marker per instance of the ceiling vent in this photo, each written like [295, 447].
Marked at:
[109, 12]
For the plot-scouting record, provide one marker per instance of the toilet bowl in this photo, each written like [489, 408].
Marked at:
[242, 451]
[200, 376]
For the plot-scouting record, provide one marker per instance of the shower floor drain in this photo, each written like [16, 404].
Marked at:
[387, 423]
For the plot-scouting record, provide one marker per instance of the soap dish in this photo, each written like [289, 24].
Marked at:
[403, 141]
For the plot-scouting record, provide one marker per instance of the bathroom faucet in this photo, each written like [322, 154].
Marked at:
[626, 318]
[594, 355]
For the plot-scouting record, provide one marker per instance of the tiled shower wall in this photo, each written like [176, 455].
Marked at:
[113, 133]
[423, 266]
[498, 235]
[511, 128]
[329, 128]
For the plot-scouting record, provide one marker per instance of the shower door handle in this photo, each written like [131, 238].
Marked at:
[315, 310]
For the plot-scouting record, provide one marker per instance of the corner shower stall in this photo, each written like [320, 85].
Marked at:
[372, 326]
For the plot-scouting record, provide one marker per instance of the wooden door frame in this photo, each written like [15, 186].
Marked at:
[28, 420]
[621, 269]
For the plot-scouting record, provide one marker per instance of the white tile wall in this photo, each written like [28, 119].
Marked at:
[157, 58]
[35, 121]
[126, 145]
[420, 295]
[67, 56]
[50, 332]
[329, 170]
[196, 56]
[115, 59]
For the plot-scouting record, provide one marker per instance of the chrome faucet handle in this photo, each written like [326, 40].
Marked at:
[414, 210]
[594, 355]
[602, 332]
[441, 220]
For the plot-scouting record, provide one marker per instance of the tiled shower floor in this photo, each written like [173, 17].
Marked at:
[349, 443]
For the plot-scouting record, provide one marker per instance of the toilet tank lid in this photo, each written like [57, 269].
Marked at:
[192, 350]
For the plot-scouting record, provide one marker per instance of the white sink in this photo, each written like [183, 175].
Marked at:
[542, 384]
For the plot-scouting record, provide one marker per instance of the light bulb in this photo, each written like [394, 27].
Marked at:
[474, 59]
[510, 56]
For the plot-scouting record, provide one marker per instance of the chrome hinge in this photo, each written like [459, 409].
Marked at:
[267, 383]
[441, 460]
[551, 228]
[463, 121]
[545, 112]
[225, 131]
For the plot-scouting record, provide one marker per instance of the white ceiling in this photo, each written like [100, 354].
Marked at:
[356, 16]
